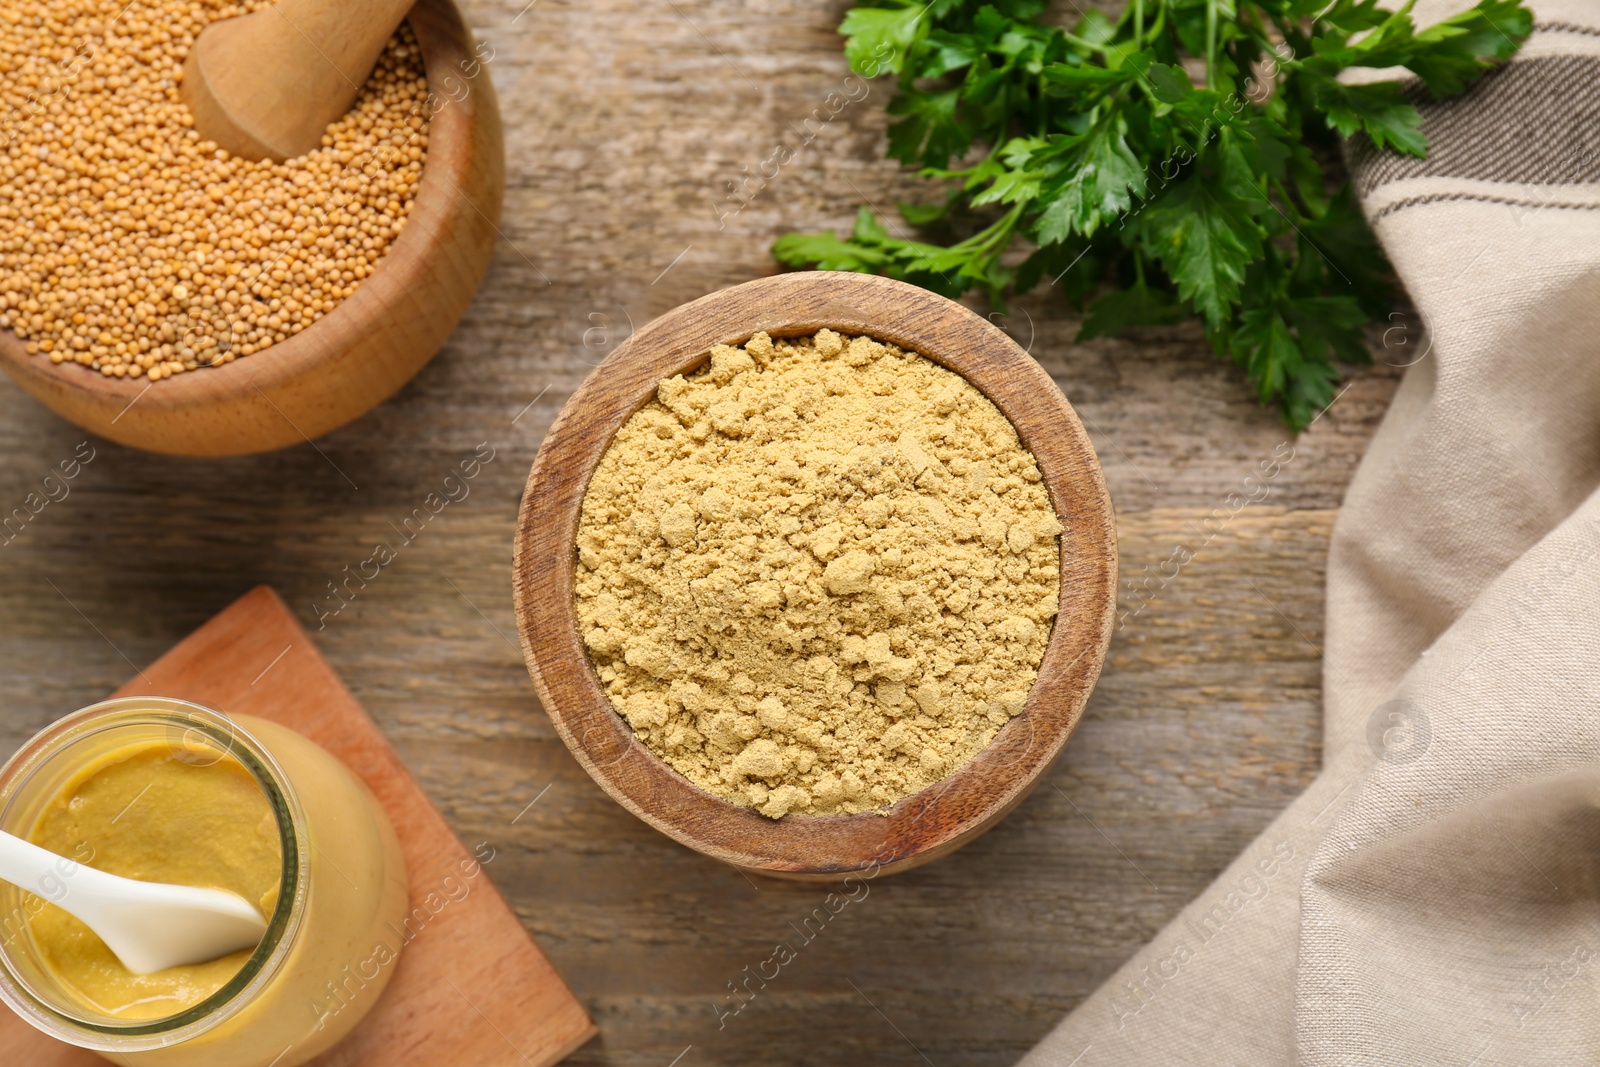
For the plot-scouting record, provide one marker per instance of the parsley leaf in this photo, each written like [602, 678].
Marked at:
[1123, 309]
[879, 38]
[1205, 239]
[1377, 110]
[1094, 184]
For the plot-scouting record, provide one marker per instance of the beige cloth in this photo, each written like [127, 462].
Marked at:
[1434, 897]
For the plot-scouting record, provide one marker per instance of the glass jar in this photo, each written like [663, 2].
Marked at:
[331, 942]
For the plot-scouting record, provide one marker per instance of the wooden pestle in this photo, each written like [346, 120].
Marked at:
[267, 85]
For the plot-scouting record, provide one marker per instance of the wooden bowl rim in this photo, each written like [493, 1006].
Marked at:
[942, 816]
[404, 265]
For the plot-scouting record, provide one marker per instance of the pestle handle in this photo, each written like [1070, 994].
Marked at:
[268, 85]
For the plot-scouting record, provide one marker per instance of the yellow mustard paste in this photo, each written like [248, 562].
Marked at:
[158, 813]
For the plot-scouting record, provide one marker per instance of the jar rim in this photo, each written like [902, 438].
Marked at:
[202, 724]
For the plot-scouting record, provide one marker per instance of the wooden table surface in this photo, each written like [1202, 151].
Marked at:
[626, 122]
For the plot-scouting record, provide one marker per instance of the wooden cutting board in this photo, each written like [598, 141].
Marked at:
[472, 988]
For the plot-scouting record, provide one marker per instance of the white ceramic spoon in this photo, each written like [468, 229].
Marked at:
[150, 926]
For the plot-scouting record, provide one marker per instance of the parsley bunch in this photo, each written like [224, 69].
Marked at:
[1181, 160]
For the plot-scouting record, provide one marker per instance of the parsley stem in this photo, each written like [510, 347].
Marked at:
[1211, 44]
[1087, 46]
[997, 233]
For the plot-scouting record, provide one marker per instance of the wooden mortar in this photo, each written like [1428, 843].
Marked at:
[363, 351]
[945, 815]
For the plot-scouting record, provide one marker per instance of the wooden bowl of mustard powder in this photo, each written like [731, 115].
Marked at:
[815, 574]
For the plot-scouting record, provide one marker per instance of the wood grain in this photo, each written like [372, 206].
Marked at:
[471, 987]
[266, 86]
[357, 355]
[925, 825]
[626, 125]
